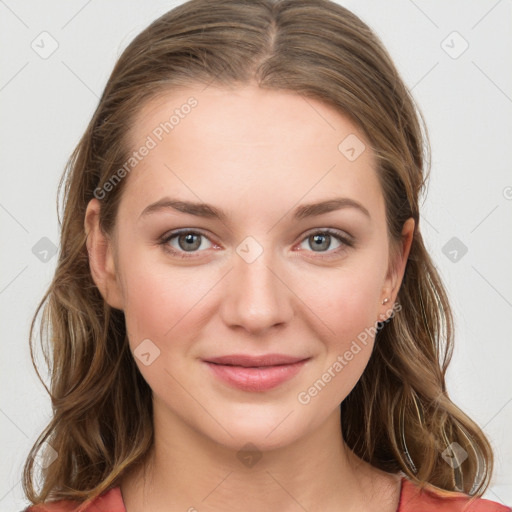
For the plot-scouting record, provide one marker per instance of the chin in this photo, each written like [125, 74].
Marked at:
[266, 429]
[257, 439]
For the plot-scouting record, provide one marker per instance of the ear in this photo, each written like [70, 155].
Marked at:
[101, 257]
[396, 268]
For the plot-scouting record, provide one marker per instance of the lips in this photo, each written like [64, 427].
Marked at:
[255, 361]
[255, 373]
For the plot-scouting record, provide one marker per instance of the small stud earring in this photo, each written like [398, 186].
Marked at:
[385, 300]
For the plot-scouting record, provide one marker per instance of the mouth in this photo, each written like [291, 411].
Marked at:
[256, 373]
[261, 361]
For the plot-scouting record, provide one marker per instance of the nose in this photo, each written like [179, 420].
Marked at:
[257, 297]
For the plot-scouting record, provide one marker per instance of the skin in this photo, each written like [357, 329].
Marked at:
[257, 155]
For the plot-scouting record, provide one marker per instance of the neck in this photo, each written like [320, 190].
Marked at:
[318, 472]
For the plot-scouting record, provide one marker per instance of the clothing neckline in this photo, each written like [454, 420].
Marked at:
[401, 493]
[114, 497]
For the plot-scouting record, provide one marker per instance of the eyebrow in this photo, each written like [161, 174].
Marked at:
[212, 212]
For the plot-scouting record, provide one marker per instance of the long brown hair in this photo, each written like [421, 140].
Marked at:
[399, 416]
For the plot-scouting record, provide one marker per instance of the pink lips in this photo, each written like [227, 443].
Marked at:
[256, 373]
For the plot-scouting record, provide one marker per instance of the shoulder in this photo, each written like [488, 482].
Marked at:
[110, 500]
[415, 499]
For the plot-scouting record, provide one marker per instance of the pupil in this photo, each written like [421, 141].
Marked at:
[190, 242]
[318, 241]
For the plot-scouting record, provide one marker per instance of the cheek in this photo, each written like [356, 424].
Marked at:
[156, 305]
[162, 303]
[346, 306]
[348, 312]
[345, 300]
[353, 321]
[164, 309]
[358, 303]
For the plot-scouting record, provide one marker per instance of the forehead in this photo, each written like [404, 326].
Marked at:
[243, 115]
[250, 142]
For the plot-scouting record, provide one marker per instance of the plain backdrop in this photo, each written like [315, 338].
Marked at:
[455, 57]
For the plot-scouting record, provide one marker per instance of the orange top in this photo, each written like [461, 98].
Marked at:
[412, 499]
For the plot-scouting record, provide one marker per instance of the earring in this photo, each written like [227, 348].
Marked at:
[385, 300]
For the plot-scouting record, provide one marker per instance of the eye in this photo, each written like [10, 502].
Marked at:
[186, 242]
[180, 243]
[321, 241]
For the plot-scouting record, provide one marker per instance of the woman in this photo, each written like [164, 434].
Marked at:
[244, 314]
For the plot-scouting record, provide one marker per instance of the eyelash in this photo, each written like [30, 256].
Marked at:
[346, 241]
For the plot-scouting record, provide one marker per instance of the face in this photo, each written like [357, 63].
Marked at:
[255, 273]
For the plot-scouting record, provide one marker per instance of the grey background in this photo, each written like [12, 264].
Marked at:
[46, 104]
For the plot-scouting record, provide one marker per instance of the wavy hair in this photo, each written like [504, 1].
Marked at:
[399, 416]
